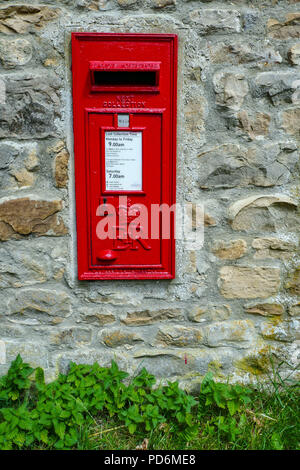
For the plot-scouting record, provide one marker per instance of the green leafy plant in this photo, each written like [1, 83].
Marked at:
[16, 382]
[71, 411]
[224, 396]
[224, 400]
[227, 427]
[17, 428]
[59, 410]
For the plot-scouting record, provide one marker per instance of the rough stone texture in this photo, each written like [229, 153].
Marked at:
[2, 352]
[264, 212]
[266, 309]
[250, 52]
[40, 302]
[126, 3]
[61, 165]
[238, 332]
[23, 177]
[280, 87]
[179, 336]
[230, 165]
[294, 310]
[233, 249]
[290, 28]
[2, 92]
[198, 218]
[258, 362]
[19, 165]
[293, 283]
[238, 159]
[32, 262]
[259, 126]
[230, 89]
[89, 355]
[291, 121]
[162, 3]
[24, 18]
[209, 312]
[96, 316]
[247, 282]
[30, 106]
[194, 114]
[294, 54]
[162, 362]
[23, 216]
[148, 317]
[212, 21]
[276, 332]
[33, 352]
[117, 338]
[71, 337]
[270, 247]
[15, 52]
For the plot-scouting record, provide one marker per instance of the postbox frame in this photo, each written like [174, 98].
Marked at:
[81, 151]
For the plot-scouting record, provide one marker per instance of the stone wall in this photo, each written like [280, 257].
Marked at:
[232, 302]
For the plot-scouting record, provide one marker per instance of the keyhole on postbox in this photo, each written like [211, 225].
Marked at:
[103, 211]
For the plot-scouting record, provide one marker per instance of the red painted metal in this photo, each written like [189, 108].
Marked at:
[149, 104]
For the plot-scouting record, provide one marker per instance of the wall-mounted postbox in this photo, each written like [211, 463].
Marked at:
[124, 108]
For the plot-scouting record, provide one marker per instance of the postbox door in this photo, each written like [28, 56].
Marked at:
[126, 170]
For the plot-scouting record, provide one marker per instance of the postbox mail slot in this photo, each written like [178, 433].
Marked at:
[110, 178]
[124, 76]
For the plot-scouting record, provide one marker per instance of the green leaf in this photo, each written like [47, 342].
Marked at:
[132, 428]
[189, 420]
[44, 436]
[39, 376]
[60, 429]
[14, 395]
[59, 444]
[17, 362]
[25, 424]
[19, 439]
[232, 407]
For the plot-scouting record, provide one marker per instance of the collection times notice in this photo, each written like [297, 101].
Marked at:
[123, 161]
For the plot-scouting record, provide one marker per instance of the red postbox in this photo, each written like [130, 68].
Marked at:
[124, 110]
